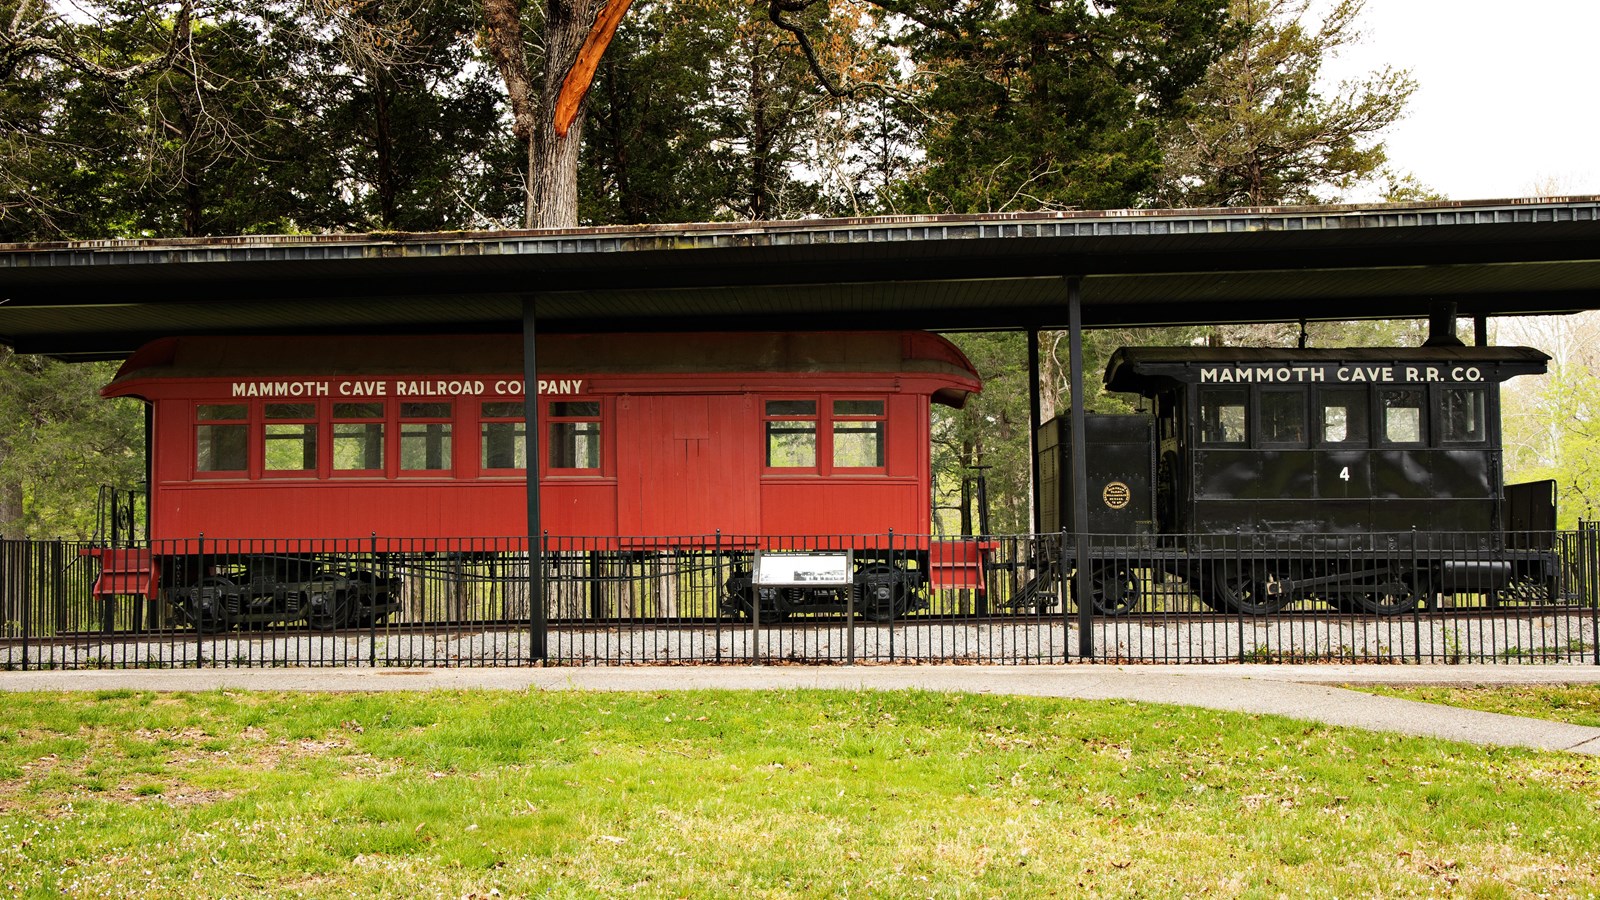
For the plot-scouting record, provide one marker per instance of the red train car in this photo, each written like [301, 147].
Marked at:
[422, 437]
[275, 449]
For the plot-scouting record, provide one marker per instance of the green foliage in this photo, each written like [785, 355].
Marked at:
[988, 437]
[1049, 105]
[1552, 430]
[1260, 129]
[208, 118]
[59, 442]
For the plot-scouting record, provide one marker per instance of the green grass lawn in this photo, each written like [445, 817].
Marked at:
[1577, 704]
[771, 794]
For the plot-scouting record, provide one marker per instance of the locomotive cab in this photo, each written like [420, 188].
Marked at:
[1329, 442]
[1369, 479]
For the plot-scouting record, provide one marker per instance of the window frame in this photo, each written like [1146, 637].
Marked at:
[386, 465]
[549, 421]
[246, 422]
[1200, 441]
[520, 439]
[824, 419]
[767, 420]
[1380, 432]
[320, 433]
[448, 470]
[834, 420]
[1260, 437]
[1438, 404]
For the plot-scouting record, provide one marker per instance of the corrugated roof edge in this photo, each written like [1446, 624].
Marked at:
[1378, 213]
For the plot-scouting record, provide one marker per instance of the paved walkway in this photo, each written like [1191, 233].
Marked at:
[1300, 692]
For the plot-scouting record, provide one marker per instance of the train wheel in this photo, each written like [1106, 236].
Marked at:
[206, 607]
[1252, 588]
[372, 603]
[742, 594]
[330, 612]
[881, 594]
[1115, 589]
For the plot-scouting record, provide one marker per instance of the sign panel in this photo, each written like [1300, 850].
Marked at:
[1324, 373]
[811, 568]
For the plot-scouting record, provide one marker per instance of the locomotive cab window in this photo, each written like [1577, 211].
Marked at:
[574, 435]
[1283, 418]
[1400, 416]
[289, 438]
[1222, 417]
[1461, 416]
[858, 434]
[425, 437]
[358, 437]
[1342, 417]
[222, 438]
[501, 434]
[791, 427]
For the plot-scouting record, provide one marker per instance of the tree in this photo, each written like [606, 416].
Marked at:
[58, 442]
[1551, 424]
[989, 436]
[722, 132]
[1048, 104]
[403, 122]
[533, 84]
[1261, 131]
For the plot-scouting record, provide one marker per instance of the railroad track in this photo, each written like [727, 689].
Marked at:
[799, 623]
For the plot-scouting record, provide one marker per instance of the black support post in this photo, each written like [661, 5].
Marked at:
[1034, 413]
[1480, 330]
[538, 627]
[1080, 474]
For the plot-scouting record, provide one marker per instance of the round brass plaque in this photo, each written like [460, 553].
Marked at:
[1116, 495]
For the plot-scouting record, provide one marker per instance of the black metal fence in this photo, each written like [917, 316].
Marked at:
[1392, 598]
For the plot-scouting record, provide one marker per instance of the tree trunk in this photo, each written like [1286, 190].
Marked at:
[553, 186]
[383, 145]
[502, 25]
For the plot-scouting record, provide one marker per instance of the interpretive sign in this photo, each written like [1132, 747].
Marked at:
[811, 568]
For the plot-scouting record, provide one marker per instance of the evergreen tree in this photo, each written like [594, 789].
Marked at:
[1260, 129]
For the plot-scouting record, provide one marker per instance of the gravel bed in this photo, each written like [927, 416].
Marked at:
[1566, 637]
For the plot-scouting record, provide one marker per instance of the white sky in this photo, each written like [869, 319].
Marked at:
[1508, 97]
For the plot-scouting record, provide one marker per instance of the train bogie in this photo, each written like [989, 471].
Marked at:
[256, 591]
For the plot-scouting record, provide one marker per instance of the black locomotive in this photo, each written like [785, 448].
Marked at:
[1368, 479]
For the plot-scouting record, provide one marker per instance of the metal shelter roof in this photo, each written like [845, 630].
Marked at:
[1138, 267]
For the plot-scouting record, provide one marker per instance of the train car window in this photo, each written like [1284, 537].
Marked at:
[574, 434]
[425, 444]
[222, 439]
[501, 436]
[858, 434]
[357, 437]
[1343, 417]
[1283, 418]
[1222, 417]
[289, 438]
[791, 434]
[1461, 416]
[1402, 420]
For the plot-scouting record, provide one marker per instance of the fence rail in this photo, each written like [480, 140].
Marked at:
[1399, 598]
